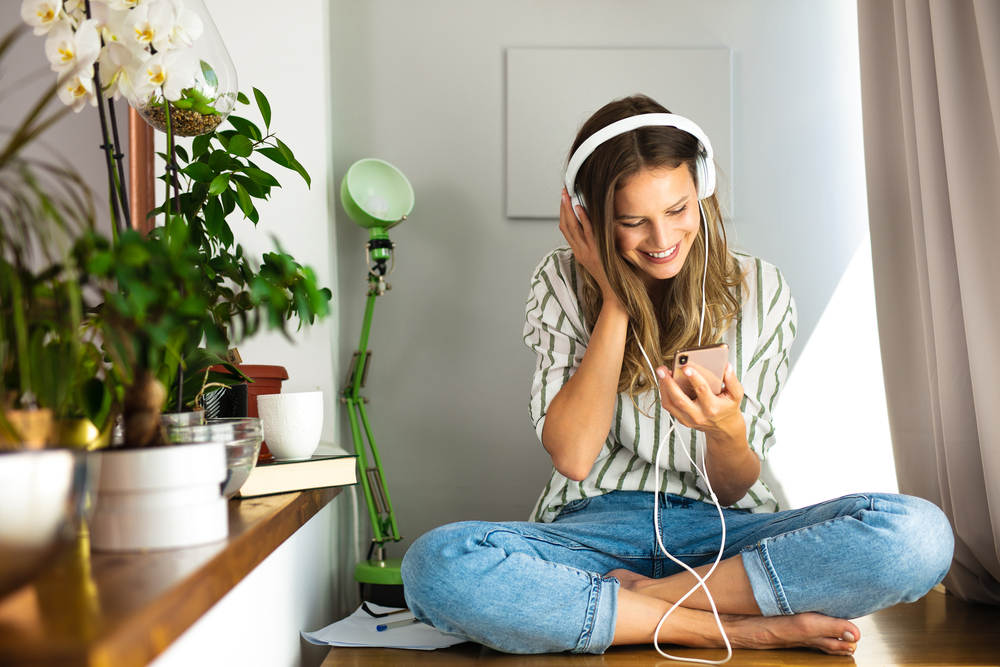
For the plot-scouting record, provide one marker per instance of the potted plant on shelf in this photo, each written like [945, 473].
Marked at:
[49, 363]
[169, 304]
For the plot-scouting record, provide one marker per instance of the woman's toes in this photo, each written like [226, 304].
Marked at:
[835, 646]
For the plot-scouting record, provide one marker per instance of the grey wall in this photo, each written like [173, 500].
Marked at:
[421, 85]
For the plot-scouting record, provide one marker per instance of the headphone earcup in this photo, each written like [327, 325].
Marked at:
[706, 176]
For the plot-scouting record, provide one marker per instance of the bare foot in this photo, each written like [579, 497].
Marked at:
[828, 634]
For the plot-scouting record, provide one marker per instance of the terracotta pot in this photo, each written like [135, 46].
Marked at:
[266, 380]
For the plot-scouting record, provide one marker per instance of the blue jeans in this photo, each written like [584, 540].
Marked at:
[523, 587]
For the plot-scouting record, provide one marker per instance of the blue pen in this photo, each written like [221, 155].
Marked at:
[395, 624]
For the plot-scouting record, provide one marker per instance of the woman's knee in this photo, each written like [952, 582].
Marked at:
[434, 562]
[922, 543]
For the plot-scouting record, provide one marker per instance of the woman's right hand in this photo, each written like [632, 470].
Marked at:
[579, 233]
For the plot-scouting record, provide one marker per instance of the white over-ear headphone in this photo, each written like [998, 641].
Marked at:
[704, 164]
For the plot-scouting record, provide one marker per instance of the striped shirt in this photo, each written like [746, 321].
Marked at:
[759, 342]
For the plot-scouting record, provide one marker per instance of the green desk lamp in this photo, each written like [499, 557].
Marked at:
[377, 196]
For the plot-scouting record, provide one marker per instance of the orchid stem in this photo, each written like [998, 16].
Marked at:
[108, 147]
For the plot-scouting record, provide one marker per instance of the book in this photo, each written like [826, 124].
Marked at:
[313, 473]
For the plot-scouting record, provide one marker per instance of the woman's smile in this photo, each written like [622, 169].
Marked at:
[664, 256]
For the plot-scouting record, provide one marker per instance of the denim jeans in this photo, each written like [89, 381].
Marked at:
[523, 587]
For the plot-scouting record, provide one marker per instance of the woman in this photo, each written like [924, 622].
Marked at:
[587, 572]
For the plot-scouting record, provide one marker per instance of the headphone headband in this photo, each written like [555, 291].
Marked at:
[704, 164]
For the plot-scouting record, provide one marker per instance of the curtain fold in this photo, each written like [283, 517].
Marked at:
[930, 82]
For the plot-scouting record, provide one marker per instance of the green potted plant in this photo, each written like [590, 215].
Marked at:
[168, 305]
[49, 363]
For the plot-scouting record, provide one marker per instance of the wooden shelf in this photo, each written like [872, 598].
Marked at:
[125, 609]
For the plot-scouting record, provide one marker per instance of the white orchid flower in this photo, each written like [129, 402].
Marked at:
[152, 24]
[168, 73]
[72, 52]
[76, 10]
[118, 64]
[186, 25]
[76, 90]
[42, 15]
[124, 4]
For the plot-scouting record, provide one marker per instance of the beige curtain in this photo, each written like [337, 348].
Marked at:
[930, 81]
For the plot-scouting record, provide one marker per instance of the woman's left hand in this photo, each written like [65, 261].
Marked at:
[714, 414]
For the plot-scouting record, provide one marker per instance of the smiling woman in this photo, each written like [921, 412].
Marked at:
[596, 567]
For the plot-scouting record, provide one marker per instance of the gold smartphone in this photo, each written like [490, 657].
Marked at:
[709, 360]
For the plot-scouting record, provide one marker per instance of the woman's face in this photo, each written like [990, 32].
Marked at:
[656, 220]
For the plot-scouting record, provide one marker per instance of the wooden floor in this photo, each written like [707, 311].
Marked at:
[937, 630]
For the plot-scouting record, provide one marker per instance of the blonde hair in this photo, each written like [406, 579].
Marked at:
[672, 323]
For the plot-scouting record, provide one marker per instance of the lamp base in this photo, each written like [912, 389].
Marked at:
[381, 581]
[381, 594]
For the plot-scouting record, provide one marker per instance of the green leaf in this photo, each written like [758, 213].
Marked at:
[219, 185]
[253, 189]
[245, 127]
[243, 99]
[292, 162]
[264, 106]
[200, 145]
[199, 171]
[228, 202]
[274, 155]
[239, 145]
[210, 78]
[221, 160]
[181, 153]
[261, 177]
[243, 199]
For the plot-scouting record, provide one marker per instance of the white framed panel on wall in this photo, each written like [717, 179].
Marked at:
[550, 92]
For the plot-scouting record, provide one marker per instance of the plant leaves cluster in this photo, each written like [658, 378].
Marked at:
[225, 174]
[83, 316]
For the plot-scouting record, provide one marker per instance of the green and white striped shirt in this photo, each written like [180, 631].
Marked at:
[759, 342]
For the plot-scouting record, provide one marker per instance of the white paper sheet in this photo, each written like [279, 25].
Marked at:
[359, 629]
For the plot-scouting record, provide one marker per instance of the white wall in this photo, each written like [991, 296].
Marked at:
[307, 582]
[422, 85]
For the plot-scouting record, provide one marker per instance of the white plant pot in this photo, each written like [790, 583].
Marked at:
[160, 498]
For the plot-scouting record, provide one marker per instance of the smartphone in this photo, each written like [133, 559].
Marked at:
[709, 360]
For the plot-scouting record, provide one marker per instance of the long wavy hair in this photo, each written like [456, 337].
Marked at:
[672, 322]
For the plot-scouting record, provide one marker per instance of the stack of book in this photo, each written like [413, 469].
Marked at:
[327, 468]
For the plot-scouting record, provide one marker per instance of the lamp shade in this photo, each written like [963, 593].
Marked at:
[376, 194]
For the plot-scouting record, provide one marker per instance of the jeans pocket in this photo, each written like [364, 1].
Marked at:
[676, 502]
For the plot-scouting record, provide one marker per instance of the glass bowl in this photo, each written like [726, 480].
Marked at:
[242, 437]
[241, 451]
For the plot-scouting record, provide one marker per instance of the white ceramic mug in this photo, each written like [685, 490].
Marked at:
[292, 423]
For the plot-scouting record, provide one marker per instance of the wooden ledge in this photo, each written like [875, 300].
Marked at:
[125, 609]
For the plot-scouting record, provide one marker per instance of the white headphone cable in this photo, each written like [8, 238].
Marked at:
[656, 524]
[704, 475]
[704, 274]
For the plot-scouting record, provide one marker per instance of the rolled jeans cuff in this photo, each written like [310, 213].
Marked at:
[599, 631]
[767, 590]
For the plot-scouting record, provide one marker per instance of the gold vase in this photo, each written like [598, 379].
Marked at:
[81, 433]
